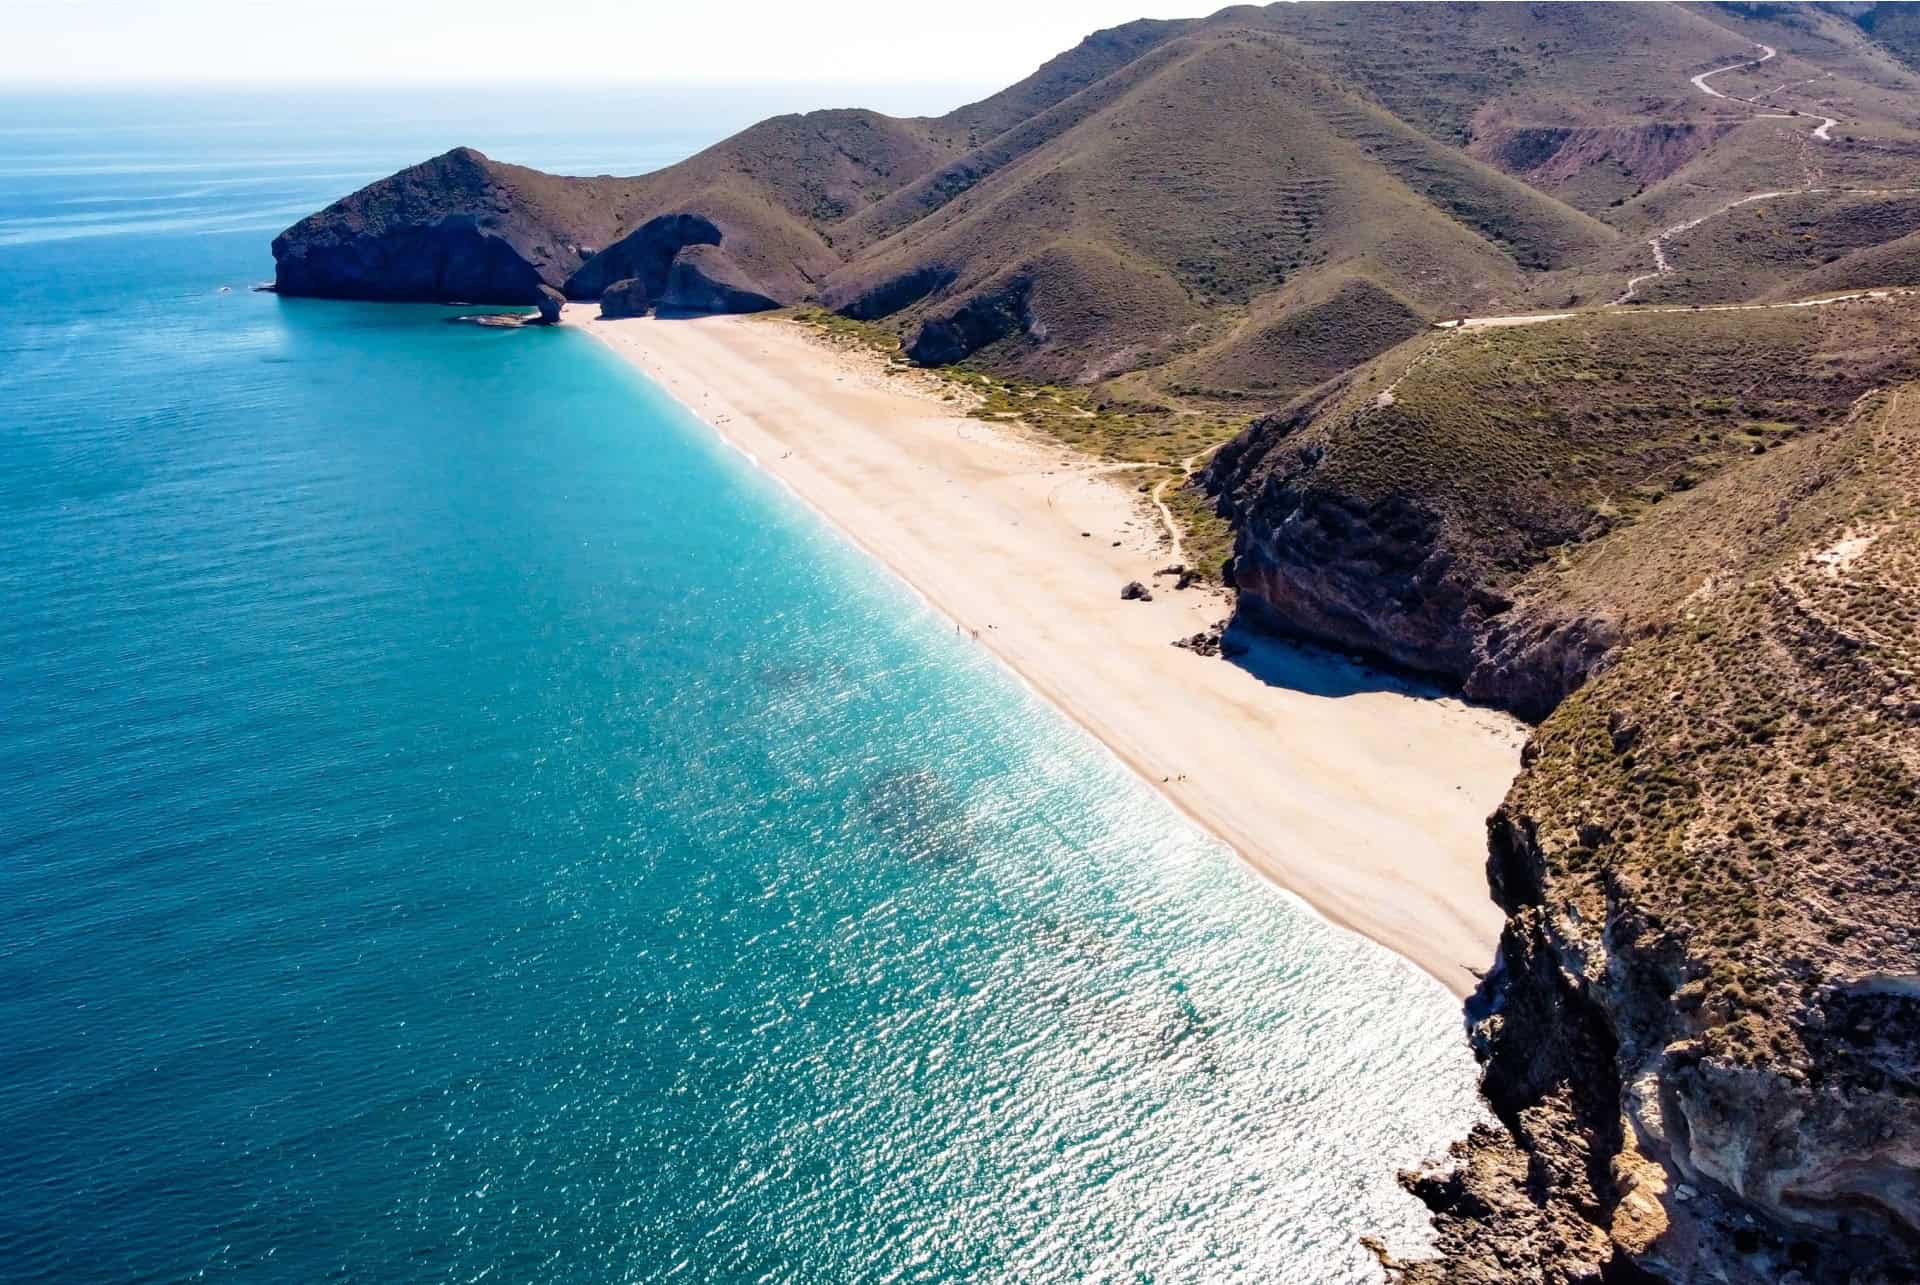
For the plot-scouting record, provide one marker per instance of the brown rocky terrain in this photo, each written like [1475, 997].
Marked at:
[1704, 1040]
[1446, 507]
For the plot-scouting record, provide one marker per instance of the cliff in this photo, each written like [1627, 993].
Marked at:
[1690, 543]
[1503, 507]
[457, 227]
[1704, 1039]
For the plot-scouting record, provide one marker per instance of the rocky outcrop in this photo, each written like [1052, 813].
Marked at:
[703, 279]
[550, 302]
[645, 255]
[868, 303]
[457, 227]
[1377, 575]
[628, 298]
[463, 227]
[1634, 1150]
[986, 318]
[1506, 508]
[1703, 1037]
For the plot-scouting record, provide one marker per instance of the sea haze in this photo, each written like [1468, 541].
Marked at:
[463, 822]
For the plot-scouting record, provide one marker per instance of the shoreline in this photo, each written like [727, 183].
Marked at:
[1355, 792]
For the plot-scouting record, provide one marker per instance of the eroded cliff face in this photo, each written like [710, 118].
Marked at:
[1504, 508]
[1379, 574]
[704, 279]
[457, 227]
[1638, 1148]
[1592, 167]
[1703, 1039]
[644, 255]
[464, 227]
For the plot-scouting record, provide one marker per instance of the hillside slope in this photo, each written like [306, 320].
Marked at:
[1216, 173]
[1440, 507]
[1238, 206]
[1704, 1041]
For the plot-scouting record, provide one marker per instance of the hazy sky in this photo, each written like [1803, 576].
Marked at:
[981, 42]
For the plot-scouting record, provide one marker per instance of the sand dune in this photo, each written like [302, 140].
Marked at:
[1365, 797]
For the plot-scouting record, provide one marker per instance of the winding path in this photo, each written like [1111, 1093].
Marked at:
[1535, 318]
[1657, 243]
[1159, 499]
[1700, 81]
[1824, 132]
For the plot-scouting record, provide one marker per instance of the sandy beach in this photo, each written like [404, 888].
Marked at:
[1362, 795]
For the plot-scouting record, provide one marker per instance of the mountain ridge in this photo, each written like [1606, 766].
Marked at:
[1399, 145]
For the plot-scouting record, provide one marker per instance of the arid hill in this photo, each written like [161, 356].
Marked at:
[1703, 1042]
[1448, 506]
[1234, 207]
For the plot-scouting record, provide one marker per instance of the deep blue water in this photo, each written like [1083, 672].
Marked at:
[459, 822]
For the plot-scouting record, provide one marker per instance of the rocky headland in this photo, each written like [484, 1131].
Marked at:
[1703, 1036]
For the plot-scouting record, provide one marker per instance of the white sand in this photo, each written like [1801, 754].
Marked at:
[1368, 802]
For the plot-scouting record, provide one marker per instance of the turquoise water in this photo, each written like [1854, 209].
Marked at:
[462, 823]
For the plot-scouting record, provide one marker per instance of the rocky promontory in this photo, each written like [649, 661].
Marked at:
[1703, 1039]
[1689, 543]
[463, 227]
[457, 227]
[1476, 505]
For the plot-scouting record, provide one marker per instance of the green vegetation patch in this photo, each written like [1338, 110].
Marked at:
[1208, 537]
[1162, 439]
[1746, 781]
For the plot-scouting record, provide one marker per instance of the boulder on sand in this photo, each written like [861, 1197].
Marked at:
[549, 301]
[1134, 591]
[625, 298]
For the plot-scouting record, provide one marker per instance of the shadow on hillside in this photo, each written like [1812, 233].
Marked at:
[1305, 667]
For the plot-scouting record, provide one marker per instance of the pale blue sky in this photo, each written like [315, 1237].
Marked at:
[981, 42]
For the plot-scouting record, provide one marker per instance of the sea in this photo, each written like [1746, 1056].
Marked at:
[459, 821]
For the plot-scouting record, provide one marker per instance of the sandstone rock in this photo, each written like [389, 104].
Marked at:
[704, 279]
[625, 298]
